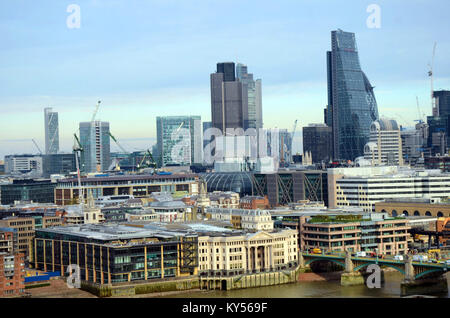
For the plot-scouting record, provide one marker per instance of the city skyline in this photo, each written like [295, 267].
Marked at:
[142, 66]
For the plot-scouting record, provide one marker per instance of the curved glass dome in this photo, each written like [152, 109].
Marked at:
[240, 182]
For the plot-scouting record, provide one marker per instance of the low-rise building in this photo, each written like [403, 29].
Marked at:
[35, 190]
[414, 207]
[254, 202]
[234, 253]
[170, 211]
[139, 186]
[375, 232]
[253, 220]
[108, 254]
[364, 186]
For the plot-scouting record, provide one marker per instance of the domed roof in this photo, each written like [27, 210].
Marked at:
[384, 124]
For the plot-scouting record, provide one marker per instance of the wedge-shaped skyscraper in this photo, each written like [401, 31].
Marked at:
[351, 105]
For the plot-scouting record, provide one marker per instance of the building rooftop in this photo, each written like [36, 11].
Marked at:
[130, 177]
[113, 232]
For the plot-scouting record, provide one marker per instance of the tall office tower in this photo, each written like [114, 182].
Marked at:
[438, 128]
[414, 142]
[179, 140]
[317, 140]
[279, 145]
[253, 88]
[229, 100]
[442, 102]
[95, 140]
[351, 105]
[51, 131]
[385, 144]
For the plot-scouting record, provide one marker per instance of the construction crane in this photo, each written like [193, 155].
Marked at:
[430, 74]
[420, 120]
[149, 163]
[35, 143]
[118, 144]
[77, 148]
[96, 111]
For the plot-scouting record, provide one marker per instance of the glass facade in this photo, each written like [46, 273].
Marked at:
[125, 263]
[179, 140]
[51, 131]
[95, 141]
[254, 118]
[239, 182]
[28, 190]
[351, 102]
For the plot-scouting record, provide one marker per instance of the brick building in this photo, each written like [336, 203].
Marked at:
[254, 202]
[12, 274]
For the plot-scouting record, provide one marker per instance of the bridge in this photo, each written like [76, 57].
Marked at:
[418, 275]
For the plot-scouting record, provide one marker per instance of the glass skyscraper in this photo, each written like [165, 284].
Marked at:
[95, 140]
[51, 131]
[179, 140]
[352, 106]
[254, 105]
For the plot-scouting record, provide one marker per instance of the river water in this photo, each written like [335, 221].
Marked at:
[318, 289]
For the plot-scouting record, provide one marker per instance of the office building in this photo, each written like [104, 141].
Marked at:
[253, 87]
[385, 144]
[36, 190]
[229, 110]
[438, 162]
[364, 186]
[414, 143]
[352, 106]
[442, 102]
[279, 145]
[139, 186]
[229, 100]
[317, 139]
[23, 164]
[285, 187]
[109, 254]
[251, 220]
[235, 253]
[62, 163]
[438, 129]
[95, 140]
[51, 131]
[25, 224]
[373, 233]
[179, 140]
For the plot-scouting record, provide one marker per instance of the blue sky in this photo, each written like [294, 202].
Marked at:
[153, 58]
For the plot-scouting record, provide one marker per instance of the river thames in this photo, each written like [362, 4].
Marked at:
[317, 289]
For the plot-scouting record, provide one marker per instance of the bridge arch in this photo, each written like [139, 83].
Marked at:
[324, 259]
[394, 213]
[357, 268]
[416, 213]
[429, 271]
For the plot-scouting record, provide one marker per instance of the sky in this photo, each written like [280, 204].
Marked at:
[151, 58]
